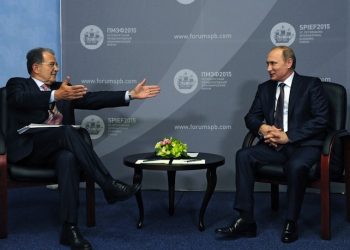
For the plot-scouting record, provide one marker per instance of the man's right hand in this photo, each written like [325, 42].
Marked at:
[264, 129]
[69, 92]
[274, 136]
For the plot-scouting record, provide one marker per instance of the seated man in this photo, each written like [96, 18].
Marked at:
[40, 99]
[290, 113]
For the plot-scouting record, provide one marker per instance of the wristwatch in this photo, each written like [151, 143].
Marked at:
[129, 94]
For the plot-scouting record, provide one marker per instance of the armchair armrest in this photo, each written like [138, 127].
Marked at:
[329, 140]
[2, 143]
[331, 164]
[327, 145]
[249, 140]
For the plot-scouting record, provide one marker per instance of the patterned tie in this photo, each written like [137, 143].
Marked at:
[55, 116]
[279, 107]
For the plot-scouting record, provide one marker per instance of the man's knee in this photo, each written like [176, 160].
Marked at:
[242, 158]
[242, 153]
[65, 156]
[69, 135]
[296, 168]
[69, 130]
[86, 136]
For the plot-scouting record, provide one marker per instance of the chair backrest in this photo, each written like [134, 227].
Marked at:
[19, 172]
[337, 98]
[3, 120]
[3, 110]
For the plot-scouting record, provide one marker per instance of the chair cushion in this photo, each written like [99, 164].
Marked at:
[32, 173]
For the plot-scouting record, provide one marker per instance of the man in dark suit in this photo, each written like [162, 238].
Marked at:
[40, 99]
[293, 138]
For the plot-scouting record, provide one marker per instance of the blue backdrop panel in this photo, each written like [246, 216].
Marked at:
[25, 24]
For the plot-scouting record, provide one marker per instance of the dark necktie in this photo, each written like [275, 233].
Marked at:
[279, 107]
[55, 116]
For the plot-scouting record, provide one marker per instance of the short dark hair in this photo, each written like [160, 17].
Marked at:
[287, 53]
[36, 56]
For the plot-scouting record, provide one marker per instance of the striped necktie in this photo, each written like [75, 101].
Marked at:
[55, 116]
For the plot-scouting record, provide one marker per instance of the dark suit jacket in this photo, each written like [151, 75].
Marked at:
[27, 104]
[307, 110]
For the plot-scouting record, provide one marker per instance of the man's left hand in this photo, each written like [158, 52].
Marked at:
[143, 91]
[276, 137]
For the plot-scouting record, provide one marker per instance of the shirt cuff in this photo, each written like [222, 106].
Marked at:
[128, 97]
[52, 97]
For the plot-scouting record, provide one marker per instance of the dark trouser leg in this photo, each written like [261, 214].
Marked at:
[247, 160]
[297, 170]
[70, 152]
[68, 175]
[48, 143]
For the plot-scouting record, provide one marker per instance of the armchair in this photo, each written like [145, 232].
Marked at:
[334, 162]
[13, 175]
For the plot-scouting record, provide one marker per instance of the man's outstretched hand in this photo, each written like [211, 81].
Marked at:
[72, 92]
[69, 92]
[143, 91]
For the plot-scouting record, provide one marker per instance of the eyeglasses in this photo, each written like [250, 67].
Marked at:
[51, 64]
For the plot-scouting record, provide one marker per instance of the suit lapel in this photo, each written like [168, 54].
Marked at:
[271, 100]
[294, 93]
[32, 85]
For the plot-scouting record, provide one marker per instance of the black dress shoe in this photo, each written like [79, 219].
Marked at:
[238, 229]
[290, 232]
[119, 191]
[71, 236]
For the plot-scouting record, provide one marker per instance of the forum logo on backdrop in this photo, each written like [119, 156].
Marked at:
[94, 125]
[282, 34]
[91, 37]
[185, 81]
[185, 1]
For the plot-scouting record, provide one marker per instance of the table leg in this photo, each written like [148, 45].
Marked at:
[211, 183]
[171, 188]
[138, 179]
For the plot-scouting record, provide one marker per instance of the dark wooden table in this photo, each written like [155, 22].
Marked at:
[212, 161]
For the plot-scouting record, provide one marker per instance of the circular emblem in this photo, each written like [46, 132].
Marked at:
[94, 125]
[185, 1]
[282, 34]
[91, 37]
[185, 81]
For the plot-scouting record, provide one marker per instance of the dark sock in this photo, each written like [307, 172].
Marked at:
[108, 184]
[70, 223]
[247, 217]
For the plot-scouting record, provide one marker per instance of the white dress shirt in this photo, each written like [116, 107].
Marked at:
[287, 88]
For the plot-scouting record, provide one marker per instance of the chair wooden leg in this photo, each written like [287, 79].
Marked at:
[325, 216]
[325, 199]
[90, 202]
[347, 197]
[274, 196]
[346, 143]
[3, 197]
